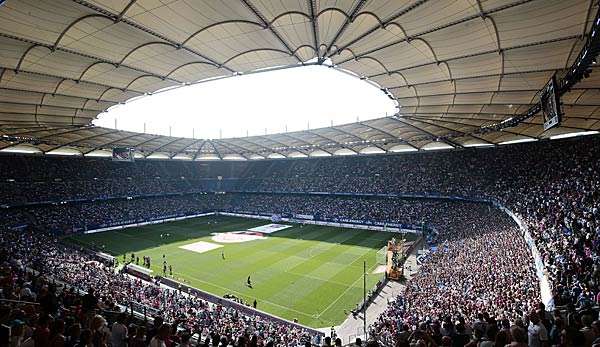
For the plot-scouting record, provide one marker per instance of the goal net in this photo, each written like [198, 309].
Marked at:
[381, 256]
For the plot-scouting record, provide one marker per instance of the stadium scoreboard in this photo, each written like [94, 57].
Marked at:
[550, 104]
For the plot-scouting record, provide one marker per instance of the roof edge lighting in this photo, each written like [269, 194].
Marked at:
[575, 134]
[511, 142]
[478, 145]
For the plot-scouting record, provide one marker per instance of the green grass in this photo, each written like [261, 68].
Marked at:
[310, 273]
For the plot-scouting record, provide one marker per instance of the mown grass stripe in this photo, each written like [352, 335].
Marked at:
[312, 273]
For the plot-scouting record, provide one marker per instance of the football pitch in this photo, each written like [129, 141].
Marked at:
[309, 273]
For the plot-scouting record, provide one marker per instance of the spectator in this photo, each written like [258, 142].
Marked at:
[537, 333]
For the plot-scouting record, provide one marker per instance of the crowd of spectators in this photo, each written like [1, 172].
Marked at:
[34, 265]
[473, 172]
[28, 193]
[466, 172]
[480, 264]
[554, 188]
[559, 203]
[479, 279]
[337, 208]
[67, 179]
[26, 168]
[81, 216]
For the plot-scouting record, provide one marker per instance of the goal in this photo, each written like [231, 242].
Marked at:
[381, 257]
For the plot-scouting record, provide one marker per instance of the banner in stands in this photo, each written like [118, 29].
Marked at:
[540, 269]
[304, 216]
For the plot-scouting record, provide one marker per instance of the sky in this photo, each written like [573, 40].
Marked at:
[296, 98]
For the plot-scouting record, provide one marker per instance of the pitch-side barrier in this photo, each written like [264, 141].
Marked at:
[349, 225]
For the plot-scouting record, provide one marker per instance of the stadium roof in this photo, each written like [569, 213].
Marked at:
[453, 66]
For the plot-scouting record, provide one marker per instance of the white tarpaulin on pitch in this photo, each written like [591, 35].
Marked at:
[200, 246]
[270, 228]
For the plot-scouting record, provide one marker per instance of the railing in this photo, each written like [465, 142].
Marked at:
[19, 302]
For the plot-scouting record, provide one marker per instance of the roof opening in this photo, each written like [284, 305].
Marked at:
[300, 98]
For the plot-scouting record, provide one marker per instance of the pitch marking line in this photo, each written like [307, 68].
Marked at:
[313, 316]
[344, 293]
[242, 294]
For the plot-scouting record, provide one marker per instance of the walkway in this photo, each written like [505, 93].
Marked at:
[353, 327]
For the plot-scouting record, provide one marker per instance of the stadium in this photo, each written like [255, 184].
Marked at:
[469, 215]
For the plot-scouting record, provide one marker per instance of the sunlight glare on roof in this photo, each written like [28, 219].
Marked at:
[268, 102]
